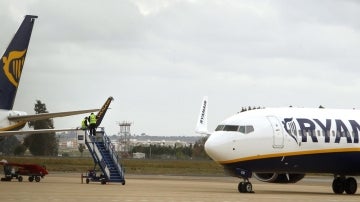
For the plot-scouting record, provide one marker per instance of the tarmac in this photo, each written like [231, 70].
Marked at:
[161, 188]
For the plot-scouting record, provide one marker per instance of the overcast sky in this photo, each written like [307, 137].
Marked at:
[158, 58]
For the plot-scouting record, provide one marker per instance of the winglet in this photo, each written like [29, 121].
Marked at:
[100, 115]
[201, 125]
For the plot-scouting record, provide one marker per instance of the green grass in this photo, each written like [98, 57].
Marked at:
[173, 167]
[132, 166]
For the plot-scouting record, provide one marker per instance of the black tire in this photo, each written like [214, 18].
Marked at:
[123, 183]
[31, 178]
[241, 187]
[37, 178]
[350, 185]
[20, 178]
[248, 187]
[245, 187]
[87, 181]
[338, 185]
[103, 181]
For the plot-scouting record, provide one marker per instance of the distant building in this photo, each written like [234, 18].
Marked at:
[163, 143]
[68, 141]
[138, 155]
[69, 144]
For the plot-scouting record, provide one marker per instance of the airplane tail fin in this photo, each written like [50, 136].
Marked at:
[201, 126]
[12, 62]
[100, 115]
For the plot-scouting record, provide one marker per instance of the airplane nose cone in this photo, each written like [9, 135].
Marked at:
[212, 147]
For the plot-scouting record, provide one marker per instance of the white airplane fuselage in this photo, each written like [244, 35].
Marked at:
[6, 124]
[288, 140]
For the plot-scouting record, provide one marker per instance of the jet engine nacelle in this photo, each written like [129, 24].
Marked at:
[279, 177]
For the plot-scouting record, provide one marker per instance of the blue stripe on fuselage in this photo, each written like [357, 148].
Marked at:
[347, 163]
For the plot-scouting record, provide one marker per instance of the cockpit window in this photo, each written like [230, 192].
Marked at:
[249, 129]
[231, 128]
[245, 129]
[219, 128]
[242, 129]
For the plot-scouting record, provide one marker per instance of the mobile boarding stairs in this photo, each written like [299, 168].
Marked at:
[104, 155]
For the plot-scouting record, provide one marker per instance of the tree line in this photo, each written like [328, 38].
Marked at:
[191, 151]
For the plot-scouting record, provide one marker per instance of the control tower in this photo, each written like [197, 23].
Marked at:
[125, 136]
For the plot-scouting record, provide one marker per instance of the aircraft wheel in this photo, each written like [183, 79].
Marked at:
[87, 181]
[20, 178]
[123, 183]
[31, 178]
[338, 185]
[350, 185]
[241, 187]
[245, 187]
[103, 181]
[248, 187]
[37, 178]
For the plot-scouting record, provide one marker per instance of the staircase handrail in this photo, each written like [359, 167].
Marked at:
[110, 147]
[97, 155]
[90, 146]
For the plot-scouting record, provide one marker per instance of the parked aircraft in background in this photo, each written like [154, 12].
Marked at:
[11, 67]
[281, 145]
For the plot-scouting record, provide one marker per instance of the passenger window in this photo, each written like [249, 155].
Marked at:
[313, 132]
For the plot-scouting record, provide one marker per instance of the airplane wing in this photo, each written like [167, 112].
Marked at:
[41, 116]
[27, 118]
[40, 131]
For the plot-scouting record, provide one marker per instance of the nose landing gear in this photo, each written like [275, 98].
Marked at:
[245, 187]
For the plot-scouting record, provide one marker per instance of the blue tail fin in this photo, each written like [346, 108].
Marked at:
[12, 62]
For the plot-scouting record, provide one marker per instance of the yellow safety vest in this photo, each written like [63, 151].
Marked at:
[92, 119]
[83, 125]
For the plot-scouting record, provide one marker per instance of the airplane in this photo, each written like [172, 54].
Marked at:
[11, 66]
[281, 145]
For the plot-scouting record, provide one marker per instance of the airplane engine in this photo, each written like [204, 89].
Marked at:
[279, 177]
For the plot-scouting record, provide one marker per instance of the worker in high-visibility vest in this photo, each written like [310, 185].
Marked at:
[84, 123]
[92, 124]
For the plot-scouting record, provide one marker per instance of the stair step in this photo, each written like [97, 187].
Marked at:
[106, 161]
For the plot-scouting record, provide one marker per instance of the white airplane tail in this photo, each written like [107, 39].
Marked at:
[201, 126]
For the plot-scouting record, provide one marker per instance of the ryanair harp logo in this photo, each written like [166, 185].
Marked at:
[13, 65]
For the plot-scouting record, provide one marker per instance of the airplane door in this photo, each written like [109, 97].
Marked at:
[278, 136]
[81, 136]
